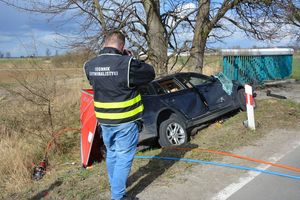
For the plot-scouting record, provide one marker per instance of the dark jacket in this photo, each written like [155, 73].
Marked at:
[115, 78]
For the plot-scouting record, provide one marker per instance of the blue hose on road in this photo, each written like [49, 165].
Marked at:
[220, 165]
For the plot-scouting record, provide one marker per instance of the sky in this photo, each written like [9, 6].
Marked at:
[23, 34]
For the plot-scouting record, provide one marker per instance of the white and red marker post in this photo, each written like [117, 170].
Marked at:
[250, 107]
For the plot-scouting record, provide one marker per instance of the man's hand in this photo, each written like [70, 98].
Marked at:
[127, 52]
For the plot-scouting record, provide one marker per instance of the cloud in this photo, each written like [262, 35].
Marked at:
[5, 38]
[32, 41]
[185, 9]
[22, 33]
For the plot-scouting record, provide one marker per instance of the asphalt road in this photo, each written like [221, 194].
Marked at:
[269, 187]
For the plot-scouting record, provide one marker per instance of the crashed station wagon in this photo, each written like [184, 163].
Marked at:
[176, 104]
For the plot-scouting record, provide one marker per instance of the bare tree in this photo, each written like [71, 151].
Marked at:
[39, 91]
[289, 12]
[255, 18]
[141, 21]
[42, 106]
[156, 27]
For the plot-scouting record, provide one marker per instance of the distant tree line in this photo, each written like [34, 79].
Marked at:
[5, 54]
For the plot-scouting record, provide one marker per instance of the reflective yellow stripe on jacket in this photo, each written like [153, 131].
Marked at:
[123, 104]
[122, 115]
[119, 105]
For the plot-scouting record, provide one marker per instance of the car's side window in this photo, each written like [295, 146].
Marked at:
[186, 82]
[168, 86]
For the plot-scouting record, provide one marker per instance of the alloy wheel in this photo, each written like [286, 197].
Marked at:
[175, 134]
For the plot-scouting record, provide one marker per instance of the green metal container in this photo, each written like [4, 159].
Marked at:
[254, 66]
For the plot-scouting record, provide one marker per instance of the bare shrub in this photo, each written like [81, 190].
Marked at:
[39, 105]
[44, 97]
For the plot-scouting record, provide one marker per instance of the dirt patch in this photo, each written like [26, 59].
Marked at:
[289, 90]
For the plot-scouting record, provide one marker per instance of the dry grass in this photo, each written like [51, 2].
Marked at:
[17, 155]
[32, 110]
[73, 59]
[296, 66]
[25, 130]
[224, 136]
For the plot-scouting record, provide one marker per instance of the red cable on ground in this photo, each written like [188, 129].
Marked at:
[235, 156]
[40, 170]
[56, 135]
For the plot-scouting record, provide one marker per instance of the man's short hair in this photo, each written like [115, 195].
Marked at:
[116, 37]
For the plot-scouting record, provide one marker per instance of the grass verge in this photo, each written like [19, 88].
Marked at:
[296, 67]
[67, 181]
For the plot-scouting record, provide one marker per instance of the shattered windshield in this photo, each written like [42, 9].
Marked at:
[226, 82]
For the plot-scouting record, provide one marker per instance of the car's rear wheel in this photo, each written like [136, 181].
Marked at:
[172, 132]
[241, 98]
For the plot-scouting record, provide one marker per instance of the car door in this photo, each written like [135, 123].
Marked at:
[152, 105]
[210, 89]
[183, 99]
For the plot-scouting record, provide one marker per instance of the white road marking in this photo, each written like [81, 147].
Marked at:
[234, 187]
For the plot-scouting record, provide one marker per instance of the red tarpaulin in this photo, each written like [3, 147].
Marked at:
[90, 138]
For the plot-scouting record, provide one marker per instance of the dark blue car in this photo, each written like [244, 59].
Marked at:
[175, 104]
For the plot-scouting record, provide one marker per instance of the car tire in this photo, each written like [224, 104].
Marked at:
[241, 98]
[172, 132]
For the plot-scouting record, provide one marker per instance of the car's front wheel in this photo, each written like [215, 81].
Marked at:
[172, 132]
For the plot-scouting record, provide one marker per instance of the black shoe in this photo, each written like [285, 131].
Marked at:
[129, 198]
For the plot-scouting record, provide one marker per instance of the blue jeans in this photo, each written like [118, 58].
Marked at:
[120, 142]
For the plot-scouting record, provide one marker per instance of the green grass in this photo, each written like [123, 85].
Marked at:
[296, 66]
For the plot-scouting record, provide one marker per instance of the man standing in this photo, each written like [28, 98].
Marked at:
[114, 76]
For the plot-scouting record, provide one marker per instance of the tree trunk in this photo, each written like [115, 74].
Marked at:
[157, 43]
[201, 33]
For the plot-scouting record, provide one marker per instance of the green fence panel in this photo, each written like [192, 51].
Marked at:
[254, 66]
